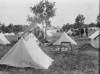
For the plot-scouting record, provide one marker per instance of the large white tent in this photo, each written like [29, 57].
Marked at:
[65, 38]
[95, 39]
[26, 53]
[3, 39]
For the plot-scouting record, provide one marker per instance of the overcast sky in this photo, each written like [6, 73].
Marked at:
[16, 11]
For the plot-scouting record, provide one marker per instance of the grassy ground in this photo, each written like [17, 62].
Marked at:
[85, 60]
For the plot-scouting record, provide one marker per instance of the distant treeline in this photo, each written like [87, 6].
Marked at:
[12, 28]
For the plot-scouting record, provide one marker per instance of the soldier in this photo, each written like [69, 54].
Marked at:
[86, 31]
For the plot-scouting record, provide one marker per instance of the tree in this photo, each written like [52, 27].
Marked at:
[3, 27]
[43, 12]
[66, 27]
[98, 21]
[17, 28]
[24, 27]
[92, 24]
[7, 30]
[80, 21]
[75, 26]
[10, 26]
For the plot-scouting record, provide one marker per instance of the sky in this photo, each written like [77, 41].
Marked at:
[16, 11]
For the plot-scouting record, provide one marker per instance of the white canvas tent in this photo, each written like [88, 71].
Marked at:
[49, 33]
[95, 39]
[26, 53]
[3, 39]
[11, 33]
[65, 38]
[69, 32]
[6, 34]
[20, 33]
[31, 35]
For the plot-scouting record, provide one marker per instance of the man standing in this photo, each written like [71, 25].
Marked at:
[86, 31]
[82, 32]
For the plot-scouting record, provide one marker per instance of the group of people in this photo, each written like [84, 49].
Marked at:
[82, 31]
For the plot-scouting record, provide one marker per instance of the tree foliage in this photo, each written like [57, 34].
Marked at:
[44, 10]
[13, 28]
[3, 27]
[98, 20]
[92, 24]
[80, 20]
[66, 27]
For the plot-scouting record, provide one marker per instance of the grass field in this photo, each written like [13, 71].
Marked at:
[84, 61]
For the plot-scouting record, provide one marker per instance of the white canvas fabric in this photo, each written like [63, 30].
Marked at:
[95, 39]
[6, 34]
[95, 34]
[69, 32]
[11, 33]
[40, 26]
[20, 33]
[26, 53]
[3, 39]
[49, 33]
[95, 42]
[65, 38]
[31, 35]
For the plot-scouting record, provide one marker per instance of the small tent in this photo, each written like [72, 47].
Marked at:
[6, 34]
[11, 33]
[20, 33]
[95, 39]
[3, 39]
[69, 32]
[49, 33]
[26, 53]
[31, 35]
[65, 38]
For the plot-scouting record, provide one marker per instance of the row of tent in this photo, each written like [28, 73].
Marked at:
[64, 38]
[27, 53]
[8, 34]
[93, 28]
[70, 32]
[94, 39]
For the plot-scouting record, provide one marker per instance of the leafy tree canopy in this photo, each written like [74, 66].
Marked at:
[43, 11]
[80, 21]
[98, 20]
